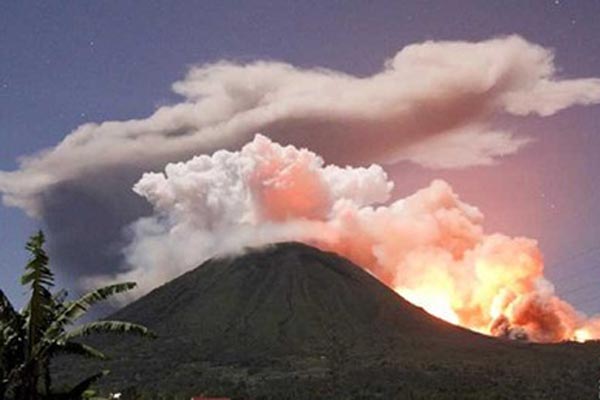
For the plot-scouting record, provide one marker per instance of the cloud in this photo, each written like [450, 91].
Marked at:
[432, 104]
[430, 247]
[222, 203]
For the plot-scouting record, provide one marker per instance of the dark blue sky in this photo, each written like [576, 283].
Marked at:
[65, 64]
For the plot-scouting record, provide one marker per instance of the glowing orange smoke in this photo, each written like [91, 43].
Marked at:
[496, 289]
[429, 247]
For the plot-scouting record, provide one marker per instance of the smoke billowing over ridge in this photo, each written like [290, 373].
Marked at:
[432, 103]
[430, 247]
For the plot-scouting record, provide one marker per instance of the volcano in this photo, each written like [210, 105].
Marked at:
[291, 321]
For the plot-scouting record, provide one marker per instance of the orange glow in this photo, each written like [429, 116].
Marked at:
[582, 335]
[436, 304]
[498, 289]
[430, 247]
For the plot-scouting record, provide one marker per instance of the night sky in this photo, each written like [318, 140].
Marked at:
[62, 65]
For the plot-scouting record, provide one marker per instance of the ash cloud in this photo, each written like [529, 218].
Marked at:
[432, 103]
[430, 247]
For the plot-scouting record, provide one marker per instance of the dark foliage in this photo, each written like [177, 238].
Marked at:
[29, 339]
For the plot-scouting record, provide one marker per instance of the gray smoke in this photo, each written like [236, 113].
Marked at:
[432, 104]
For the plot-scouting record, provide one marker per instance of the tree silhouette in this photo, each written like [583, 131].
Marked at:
[31, 337]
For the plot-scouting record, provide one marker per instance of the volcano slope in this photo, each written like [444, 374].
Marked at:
[291, 321]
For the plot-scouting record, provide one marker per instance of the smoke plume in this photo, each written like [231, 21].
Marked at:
[432, 103]
[430, 247]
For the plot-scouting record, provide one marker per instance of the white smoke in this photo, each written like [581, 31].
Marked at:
[430, 247]
[432, 103]
[218, 204]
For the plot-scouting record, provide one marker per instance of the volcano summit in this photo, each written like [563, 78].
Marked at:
[291, 321]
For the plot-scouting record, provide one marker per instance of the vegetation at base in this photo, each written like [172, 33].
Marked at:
[30, 338]
[374, 380]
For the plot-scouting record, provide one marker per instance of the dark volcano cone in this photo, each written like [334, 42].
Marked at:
[289, 318]
[285, 299]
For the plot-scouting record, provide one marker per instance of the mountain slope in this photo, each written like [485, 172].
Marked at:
[284, 299]
[290, 315]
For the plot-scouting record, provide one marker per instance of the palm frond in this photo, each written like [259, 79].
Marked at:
[104, 293]
[108, 327]
[31, 337]
[79, 349]
[11, 322]
[11, 335]
[37, 270]
[84, 385]
[40, 309]
[76, 309]
[7, 311]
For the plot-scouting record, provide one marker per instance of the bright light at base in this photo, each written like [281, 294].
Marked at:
[582, 335]
[435, 304]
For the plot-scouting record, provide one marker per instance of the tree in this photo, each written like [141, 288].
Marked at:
[30, 338]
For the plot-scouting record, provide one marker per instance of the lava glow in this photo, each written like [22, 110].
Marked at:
[434, 302]
[429, 247]
[583, 335]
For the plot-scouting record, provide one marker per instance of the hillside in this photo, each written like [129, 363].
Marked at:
[291, 320]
